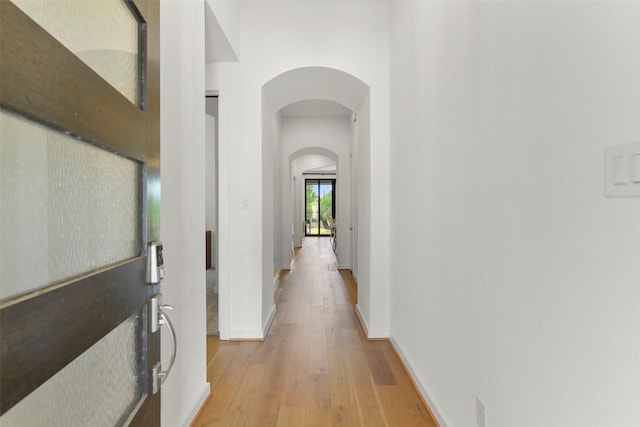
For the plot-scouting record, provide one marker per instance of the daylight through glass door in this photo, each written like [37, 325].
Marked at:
[320, 207]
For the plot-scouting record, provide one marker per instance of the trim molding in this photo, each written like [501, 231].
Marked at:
[363, 323]
[420, 388]
[267, 325]
[199, 405]
[253, 335]
[278, 277]
[417, 385]
[245, 335]
[371, 334]
[378, 334]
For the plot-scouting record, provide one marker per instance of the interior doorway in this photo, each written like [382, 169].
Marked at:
[211, 213]
[320, 206]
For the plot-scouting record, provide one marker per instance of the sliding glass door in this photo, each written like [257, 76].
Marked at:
[320, 207]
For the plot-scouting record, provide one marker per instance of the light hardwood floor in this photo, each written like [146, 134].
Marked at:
[315, 367]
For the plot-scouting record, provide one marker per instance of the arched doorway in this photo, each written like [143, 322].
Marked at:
[319, 86]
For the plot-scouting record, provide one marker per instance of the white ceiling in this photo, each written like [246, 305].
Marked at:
[315, 108]
[315, 83]
[331, 169]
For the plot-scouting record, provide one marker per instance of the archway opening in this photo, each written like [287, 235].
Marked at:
[305, 112]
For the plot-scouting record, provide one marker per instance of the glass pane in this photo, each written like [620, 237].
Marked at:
[102, 33]
[320, 209]
[326, 206]
[99, 388]
[66, 207]
[311, 200]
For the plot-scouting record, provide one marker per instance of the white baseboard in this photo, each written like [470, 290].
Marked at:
[375, 334]
[362, 321]
[245, 334]
[422, 389]
[252, 335]
[276, 279]
[202, 397]
[267, 324]
[371, 334]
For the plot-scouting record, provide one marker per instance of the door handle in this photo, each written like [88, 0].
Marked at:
[159, 318]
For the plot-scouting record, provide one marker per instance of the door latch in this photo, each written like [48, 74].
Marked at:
[157, 318]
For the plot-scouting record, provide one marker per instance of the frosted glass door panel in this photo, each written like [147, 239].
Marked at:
[102, 33]
[66, 207]
[99, 388]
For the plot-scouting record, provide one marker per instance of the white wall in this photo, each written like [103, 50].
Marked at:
[330, 133]
[515, 280]
[278, 165]
[276, 37]
[354, 138]
[183, 205]
[270, 227]
[363, 225]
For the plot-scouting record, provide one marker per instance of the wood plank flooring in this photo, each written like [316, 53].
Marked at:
[316, 367]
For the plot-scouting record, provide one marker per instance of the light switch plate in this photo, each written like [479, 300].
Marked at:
[622, 170]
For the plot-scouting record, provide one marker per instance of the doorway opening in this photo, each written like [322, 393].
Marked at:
[320, 206]
[307, 113]
[211, 213]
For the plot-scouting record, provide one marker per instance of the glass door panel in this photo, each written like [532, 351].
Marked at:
[320, 209]
[71, 398]
[311, 207]
[103, 34]
[68, 207]
[326, 207]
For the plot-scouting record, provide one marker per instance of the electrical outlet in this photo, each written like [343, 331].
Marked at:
[481, 413]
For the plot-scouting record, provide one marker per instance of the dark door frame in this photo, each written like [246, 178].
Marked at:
[319, 181]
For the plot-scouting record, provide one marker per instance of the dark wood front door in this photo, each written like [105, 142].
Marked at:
[47, 326]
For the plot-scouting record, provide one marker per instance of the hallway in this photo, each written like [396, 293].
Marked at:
[315, 368]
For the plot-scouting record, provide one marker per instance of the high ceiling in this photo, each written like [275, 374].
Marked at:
[316, 83]
[315, 108]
